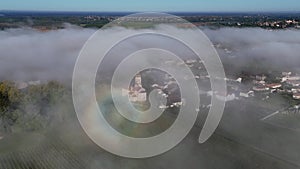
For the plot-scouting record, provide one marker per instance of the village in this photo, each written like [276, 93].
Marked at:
[257, 86]
[253, 86]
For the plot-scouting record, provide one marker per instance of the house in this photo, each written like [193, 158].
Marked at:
[224, 96]
[190, 61]
[260, 77]
[295, 90]
[157, 86]
[261, 88]
[259, 82]
[290, 78]
[286, 74]
[163, 107]
[34, 83]
[294, 83]
[136, 91]
[274, 85]
[229, 97]
[21, 85]
[296, 96]
[248, 94]
[239, 80]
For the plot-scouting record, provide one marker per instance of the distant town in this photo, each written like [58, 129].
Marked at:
[45, 21]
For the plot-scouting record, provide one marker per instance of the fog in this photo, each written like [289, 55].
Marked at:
[27, 54]
[274, 49]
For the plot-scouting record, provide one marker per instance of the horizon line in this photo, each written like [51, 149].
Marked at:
[81, 11]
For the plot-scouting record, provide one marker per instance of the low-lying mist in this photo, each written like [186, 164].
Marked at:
[249, 48]
[28, 54]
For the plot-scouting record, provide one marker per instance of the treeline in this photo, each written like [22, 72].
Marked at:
[50, 22]
[33, 108]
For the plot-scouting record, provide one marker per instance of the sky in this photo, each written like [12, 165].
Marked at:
[153, 5]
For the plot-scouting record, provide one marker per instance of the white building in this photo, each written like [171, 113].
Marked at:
[295, 90]
[21, 85]
[274, 85]
[290, 78]
[222, 96]
[261, 88]
[190, 61]
[34, 83]
[136, 92]
[296, 96]
[260, 78]
[239, 80]
[286, 74]
[229, 97]
[294, 83]
[248, 94]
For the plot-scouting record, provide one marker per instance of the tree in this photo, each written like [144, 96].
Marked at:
[10, 97]
[34, 108]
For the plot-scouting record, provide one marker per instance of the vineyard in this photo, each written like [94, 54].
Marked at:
[52, 154]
